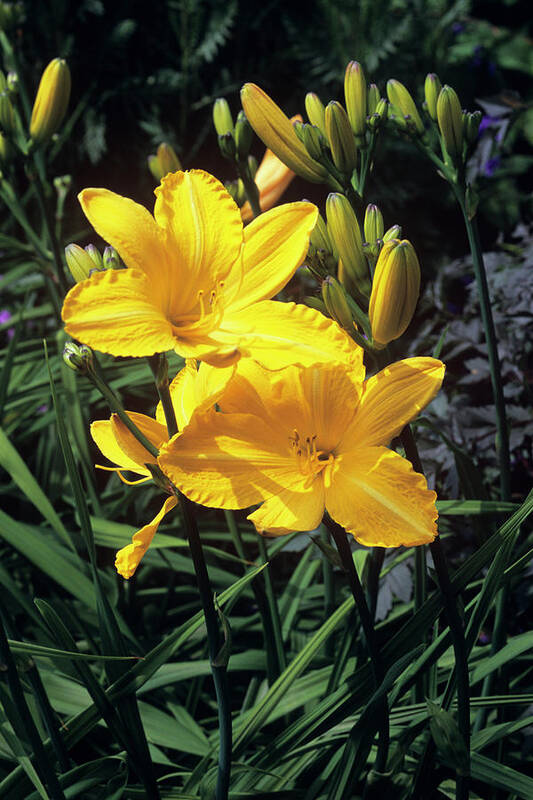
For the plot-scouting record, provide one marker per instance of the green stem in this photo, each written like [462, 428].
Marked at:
[41, 199]
[17, 693]
[345, 553]
[159, 367]
[273, 610]
[377, 556]
[329, 593]
[250, 187]
[492, 347]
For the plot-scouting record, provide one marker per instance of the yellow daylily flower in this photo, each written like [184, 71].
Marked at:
[306, 440]
[191, 391]
[197, 281]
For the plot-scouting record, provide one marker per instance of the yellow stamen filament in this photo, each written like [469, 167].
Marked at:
[311, 461]
[121, 476]
[207, 314]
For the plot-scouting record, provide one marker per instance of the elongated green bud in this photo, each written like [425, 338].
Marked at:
[252, 166]
[334, 297]
[344, 233]
[222, 118]
[277, 132]
[316, 112]
[8, 120]
[373, 226]
[226, 142]
[450, 119]
[79, 262]
[319, 235]
[51, 102]
[395, 291]
[243, 136]
[372, 98]
[378, 117]
[168, 159]
[471, 126]
[400, 97]
[395, 232]
[95, 256]
[315, 142]
[355, 93]
[432, 87]
[341, 138]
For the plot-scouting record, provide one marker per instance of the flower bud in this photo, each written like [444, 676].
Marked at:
[373, 226]
[400, 97]
[344, 233]
[8, 119]
[243, 136]
[252, 166]
[450, 119]
[341, 138]
[471, 126]
[395, 291]
[315, 142]
[168, 160]
[432, 87]
[355, 93]
[78, 357]
[378, 117]
[12, 82]
[111, 259]
[277, 132]
[395, 232]
[51, 101]
[319, 235]
[222, 117]
[226, 142]
[372, 99]
[79, 262]
[315, 111]
[95, 256]
[334, 296]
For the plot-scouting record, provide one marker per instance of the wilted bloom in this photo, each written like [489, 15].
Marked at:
[395, 290]
[197, 282]
[51, 101]
[276, 130]
[305, 440]
[272, 178]
[191, 391]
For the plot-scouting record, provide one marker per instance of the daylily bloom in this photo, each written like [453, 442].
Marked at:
[306, 440]
[191, 391]
[198, 282]
[272, 178]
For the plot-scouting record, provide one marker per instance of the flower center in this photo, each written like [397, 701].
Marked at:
[311, 461]
[205, 315]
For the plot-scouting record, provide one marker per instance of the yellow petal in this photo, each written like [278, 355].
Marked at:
[102, 433]
[279, 334]
[118, 312]
[129, 227]
[317, 401]
[391, 399]
[204, 229]
[133, 449]
[128, 557]
[290, 511]
[275, 245]
[272, 179]
[229, 461]
[378, 497]
[195, 390]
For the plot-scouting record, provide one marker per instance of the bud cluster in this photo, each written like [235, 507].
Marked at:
[85, 261]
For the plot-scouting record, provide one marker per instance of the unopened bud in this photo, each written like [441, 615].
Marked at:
[450, 119]
[222, 117]
[51, 101]
[226, 142]
[111, 259]
[395, 291]
[344, 232]
[12, 82]
[168, 159]
[432, 87]
[316, 111]
[400, 97]
[78, 357]
[95, 256]
[243, 136]
[337, 306]
[319, 235]
[372, 99]
[471, 126]
[341, 138]
[395, 232]
[277, 132]
[378, 117]
[252, 166]
[8, 119]
[355, 93]
[315, 142]
[79, 262]
[373, 226]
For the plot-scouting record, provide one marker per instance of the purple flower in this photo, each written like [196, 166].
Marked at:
[5, 316]
[491, 166]
[457, 27]
[486, 122]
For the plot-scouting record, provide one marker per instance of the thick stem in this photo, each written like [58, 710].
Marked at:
[159, 366]
[250, 187]
[339, 535]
